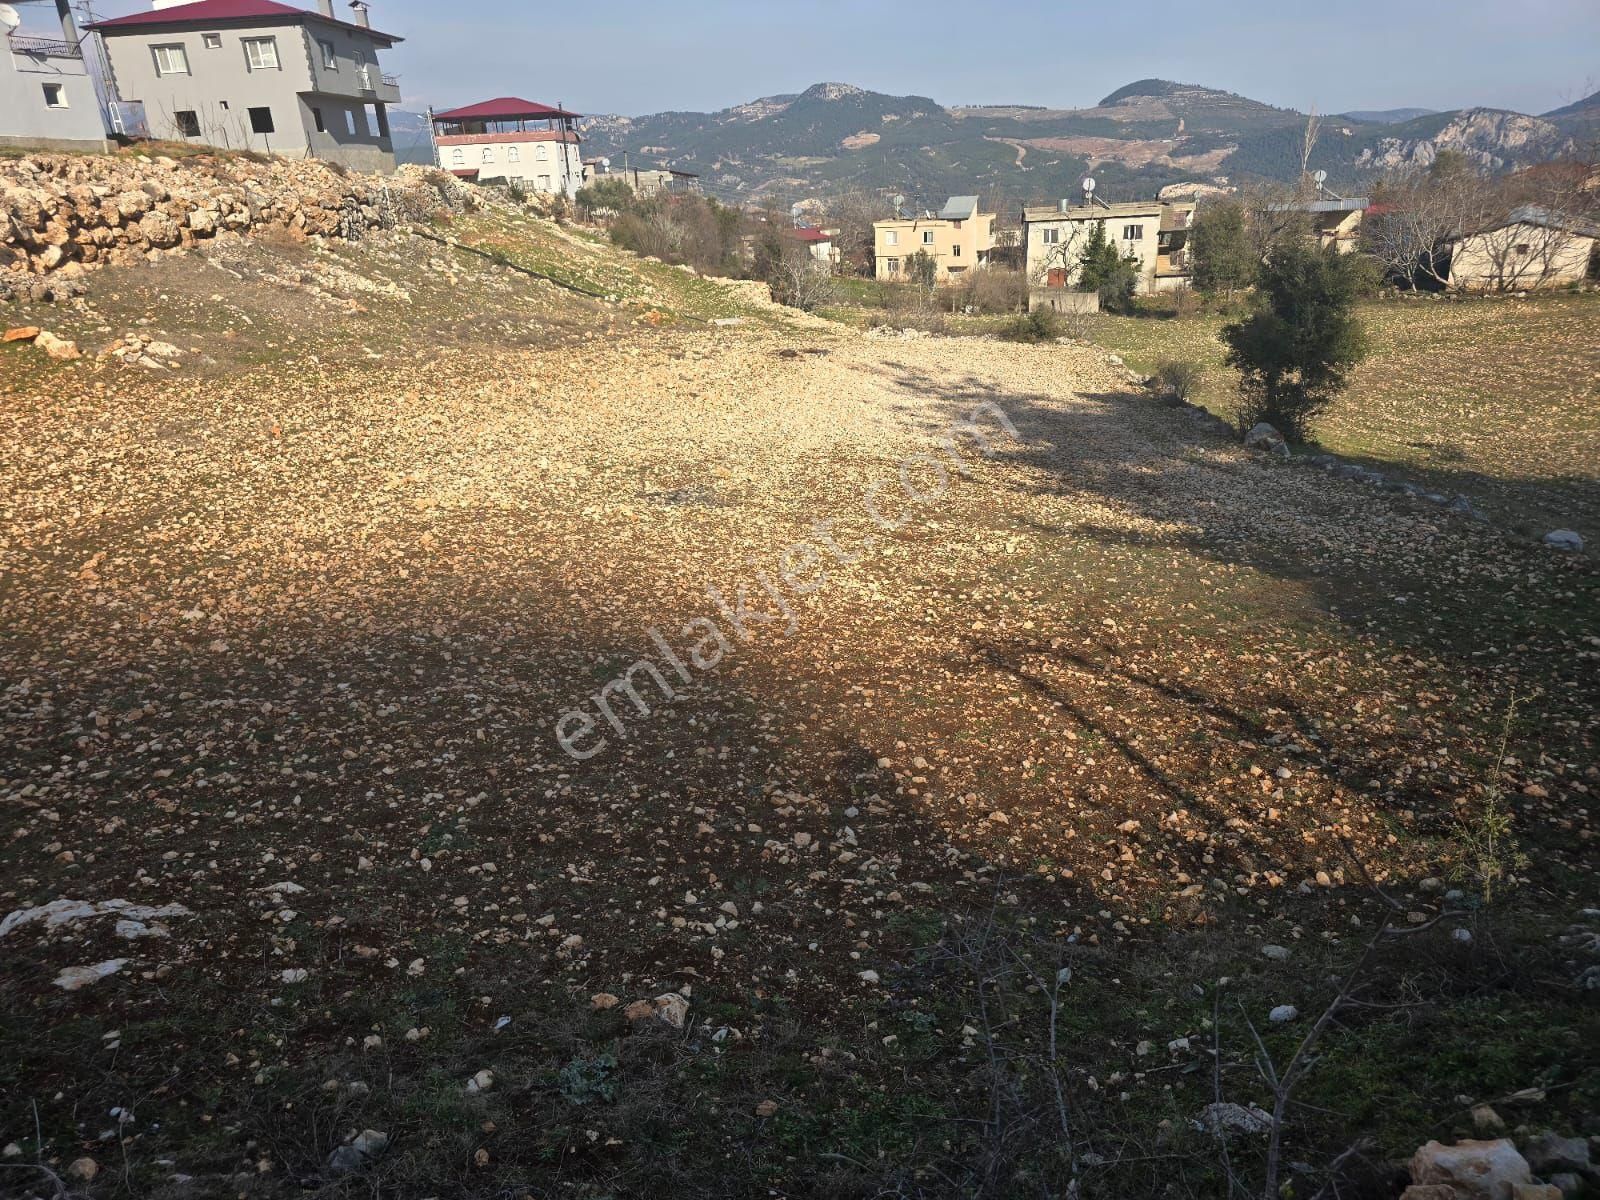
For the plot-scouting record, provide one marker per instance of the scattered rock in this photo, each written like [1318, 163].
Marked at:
[70, 979]
[668, 1010]
[1475, 1170]
[767, 1108]
[61, 349]
[1227, 1119]
[481, 1082]
[82, 1169]
[1486, 1120]
[360, 1150]
[1275, 953]
[1564, 539]
[1268, 440]
[1550, 1153]
[22, 333]
[1283, 1014]
[601, 1001]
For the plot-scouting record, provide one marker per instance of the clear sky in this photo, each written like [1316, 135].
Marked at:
[643, 56]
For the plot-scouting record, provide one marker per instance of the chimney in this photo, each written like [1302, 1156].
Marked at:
[325, 7]
[359, 7]
[69, 27]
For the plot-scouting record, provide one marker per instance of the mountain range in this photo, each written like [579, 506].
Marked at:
[1151, 134]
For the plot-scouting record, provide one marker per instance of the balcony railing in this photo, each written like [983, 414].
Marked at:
[44, 47]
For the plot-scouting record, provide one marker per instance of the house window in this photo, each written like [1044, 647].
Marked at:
[891, 237]
[891, 266]
[349, 122]
[542, 153]
[1524, 248]
[458, 157]
[330, 57]
[1132, 233]
[261, 120]
[188, 122]
[211, 41]
[54, 96]
[316, 116]
[544, 183]
[1050, 236]
[488, 154]
[927, 237]
[955, 251]
[170, 60]
[261, 54]
[514, 154]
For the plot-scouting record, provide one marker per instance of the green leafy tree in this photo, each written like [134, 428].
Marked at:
[1296, 349]
[922, 271]
[605, 195]
[1101, 269]
[1224, 258]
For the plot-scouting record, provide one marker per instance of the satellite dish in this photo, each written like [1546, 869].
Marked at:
[1088, 184]
[1319, 177]
[796, 209]
[9, 17]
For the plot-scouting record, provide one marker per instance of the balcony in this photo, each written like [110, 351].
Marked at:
[39, 47]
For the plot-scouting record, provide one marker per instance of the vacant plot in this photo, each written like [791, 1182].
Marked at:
[1497, 399]
[999, 745]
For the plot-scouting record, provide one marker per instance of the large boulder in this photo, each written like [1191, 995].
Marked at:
[1475, 1170]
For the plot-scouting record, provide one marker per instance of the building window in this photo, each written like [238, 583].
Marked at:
[891, 237]
[488, 154]
[1050, 236]
[1132, 233]
[170, 60]
[349, 123]
[514, 154]
[330, 58]
[955, 251]
[188, 122]
[458, 157]
[211, 41]
[55, 96]
[261, 120]
[1524, 248]
[542, 153]
[316, 117]
[261, 54]
[927, 237]
[544, 183]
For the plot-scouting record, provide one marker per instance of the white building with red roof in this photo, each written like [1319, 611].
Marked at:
[510, 139]
[258, 75]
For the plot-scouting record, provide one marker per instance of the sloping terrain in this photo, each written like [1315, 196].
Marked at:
[1008, 740]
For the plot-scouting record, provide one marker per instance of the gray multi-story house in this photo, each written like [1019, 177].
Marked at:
[258, 75]
[47, 99]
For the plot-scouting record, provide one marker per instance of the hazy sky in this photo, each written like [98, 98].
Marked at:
[632, 56]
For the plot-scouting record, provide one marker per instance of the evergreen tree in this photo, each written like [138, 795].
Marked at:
[1296, 349]
[1219, 244]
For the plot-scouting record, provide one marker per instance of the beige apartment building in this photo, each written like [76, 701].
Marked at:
[958, 239]
[1153, 232]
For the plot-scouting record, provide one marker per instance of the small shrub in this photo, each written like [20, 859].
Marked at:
[1178, 379]
[585, 1080]
[1040, 325]
[996, 290]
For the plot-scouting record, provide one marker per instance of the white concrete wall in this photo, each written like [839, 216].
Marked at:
[25, 117]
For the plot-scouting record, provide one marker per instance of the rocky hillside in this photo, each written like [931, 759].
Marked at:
[1147, 135]
[62, 215]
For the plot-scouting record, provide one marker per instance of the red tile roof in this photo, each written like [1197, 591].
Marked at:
[503, 108]
[812, 235]
[215, 12]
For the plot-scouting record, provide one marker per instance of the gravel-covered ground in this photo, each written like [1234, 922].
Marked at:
[981, 662]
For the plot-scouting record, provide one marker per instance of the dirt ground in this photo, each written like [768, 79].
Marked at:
[968, 663]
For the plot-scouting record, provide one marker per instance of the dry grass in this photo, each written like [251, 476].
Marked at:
[305, 610]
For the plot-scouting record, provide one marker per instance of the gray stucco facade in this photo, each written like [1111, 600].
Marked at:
[295, 83]
[47, 100]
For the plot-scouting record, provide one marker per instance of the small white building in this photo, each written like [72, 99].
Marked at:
[47, 100]
[506, 139]
[1533, 247]
[1153, 232]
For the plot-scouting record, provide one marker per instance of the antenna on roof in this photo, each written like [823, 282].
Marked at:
[1088, 190]
[899, 202]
